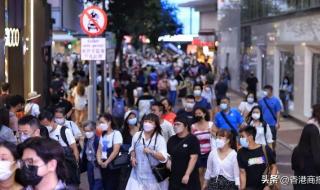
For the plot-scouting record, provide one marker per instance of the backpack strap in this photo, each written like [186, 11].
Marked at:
[63, 135]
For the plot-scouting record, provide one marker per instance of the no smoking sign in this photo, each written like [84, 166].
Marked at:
[93, 21]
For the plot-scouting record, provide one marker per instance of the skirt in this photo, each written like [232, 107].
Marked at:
[221, 183]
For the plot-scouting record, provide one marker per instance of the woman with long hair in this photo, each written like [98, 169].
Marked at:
[80, 102]
[305, 160]
[223, 170]
[247, 104]
[203, 129]
[255, 119]
[148, 149]
[108, 150]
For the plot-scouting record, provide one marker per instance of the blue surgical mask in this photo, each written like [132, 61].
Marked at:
[132, 121]
[244, 142]
[223, 106]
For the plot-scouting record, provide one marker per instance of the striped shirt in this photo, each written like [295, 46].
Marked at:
[204, 137]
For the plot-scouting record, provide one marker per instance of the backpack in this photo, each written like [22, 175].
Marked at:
[118, 108]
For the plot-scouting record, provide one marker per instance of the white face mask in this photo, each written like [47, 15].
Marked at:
[197, 92]
[147, 127]
[178, 130]
[60, 121]
[89, 135]
[5, 170]
[24, 137]
[220, 143]
[256, 116]
[189, 105]
[264, 93]
[104, 126]
[250, 100]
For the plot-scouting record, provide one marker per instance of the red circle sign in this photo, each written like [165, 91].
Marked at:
[93, 21]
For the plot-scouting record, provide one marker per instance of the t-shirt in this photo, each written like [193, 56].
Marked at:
[108, 140]
[56, 135]
[234, 118]
[203, 103]
[186, 114]
[180, 157]
[32, 109]
[275, 106]
[254, 163]
[245, 107]
[169, 117]
[173, 84]
[167, 130]
[252, 83]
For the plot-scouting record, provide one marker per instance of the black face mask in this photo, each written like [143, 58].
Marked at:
[198, 118]
[29, 175]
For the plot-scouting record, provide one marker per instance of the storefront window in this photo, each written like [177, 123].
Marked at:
[267, 70]
[316, 79]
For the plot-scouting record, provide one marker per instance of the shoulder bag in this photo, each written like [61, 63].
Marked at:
[122, 159]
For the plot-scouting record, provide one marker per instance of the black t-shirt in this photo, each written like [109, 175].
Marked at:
[254, 163]
[252, 83]
[180, 157]
[185, 114]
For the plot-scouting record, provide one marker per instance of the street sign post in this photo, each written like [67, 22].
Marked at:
[93, 22]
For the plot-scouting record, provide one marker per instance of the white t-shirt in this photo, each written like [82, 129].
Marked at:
[167, 130]
[56, 135]
[32, 109]
[173, 85]
[74, 128]
[80, 102]
[245, 107]
[110, 139]
[261, 137]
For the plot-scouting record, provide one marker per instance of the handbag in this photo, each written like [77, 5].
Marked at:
[122, 160]
[160, 171]
[267, 172]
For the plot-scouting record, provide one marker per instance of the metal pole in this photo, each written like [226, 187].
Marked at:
[105, 86]
[110, 86]
[92, 96]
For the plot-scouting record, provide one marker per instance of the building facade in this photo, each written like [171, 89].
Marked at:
[281, 38]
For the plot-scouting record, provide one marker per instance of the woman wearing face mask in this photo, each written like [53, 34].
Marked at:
[255, 119]
[88, 156]
[203, 129]
[184, 149]
[130, 128]
[108, 150]
[246, 106]
[148, 149]
[42, 165]
[286, 90]
[8, 166]
[223, 170]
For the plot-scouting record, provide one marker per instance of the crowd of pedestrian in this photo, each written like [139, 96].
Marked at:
[171, 126]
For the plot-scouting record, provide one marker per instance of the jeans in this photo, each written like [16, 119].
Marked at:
[172, 97]
[94, 184]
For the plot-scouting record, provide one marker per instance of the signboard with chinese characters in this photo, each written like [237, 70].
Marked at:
[93, 49]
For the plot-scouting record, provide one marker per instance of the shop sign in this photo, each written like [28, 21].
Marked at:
[12, 37]
[201, 43]
[93, 49]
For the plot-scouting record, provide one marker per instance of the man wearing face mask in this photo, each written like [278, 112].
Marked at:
[29, 126]
[184, 150]
[229, 118]
[66, 139]
[271, 108]
[59, 118]
[88, 156]
[41, 169]
[187, 112]
[252, 160]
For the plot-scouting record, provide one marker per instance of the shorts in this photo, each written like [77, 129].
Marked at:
[274, 132]
[202, 161]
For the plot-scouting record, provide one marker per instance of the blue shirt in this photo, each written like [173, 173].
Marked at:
[203, 103]
[275, 106]
[234, 116]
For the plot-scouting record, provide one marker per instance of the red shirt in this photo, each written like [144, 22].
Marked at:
[169, 117]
